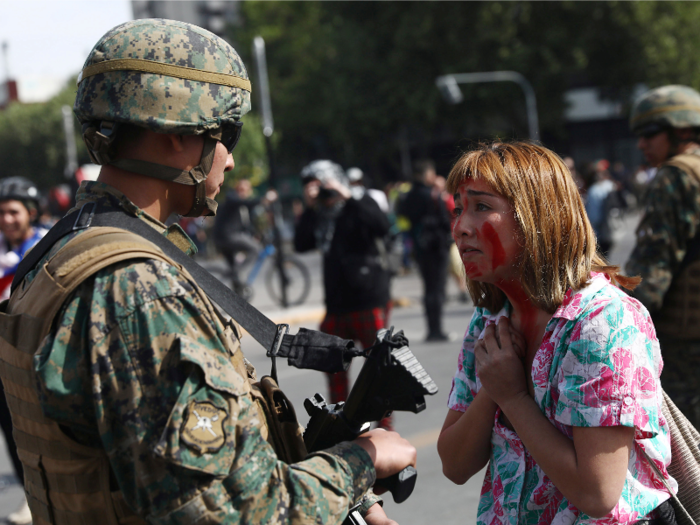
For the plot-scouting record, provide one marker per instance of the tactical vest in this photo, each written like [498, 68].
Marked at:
[679, 316]
[67, 483]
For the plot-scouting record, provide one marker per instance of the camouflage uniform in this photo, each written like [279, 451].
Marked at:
[132, 349]
[137, 351]
[670, 222]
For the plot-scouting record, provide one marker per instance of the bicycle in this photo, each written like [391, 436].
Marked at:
[296, 274]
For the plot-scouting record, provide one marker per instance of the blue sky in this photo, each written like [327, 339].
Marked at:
[48, 40]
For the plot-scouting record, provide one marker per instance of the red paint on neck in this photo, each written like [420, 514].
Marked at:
[527, 318]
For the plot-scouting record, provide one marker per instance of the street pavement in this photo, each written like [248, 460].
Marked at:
[435, 498]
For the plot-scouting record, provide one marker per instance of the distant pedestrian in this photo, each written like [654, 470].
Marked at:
[667, 254]
[424, 207]
[235, 231]
[599, 198]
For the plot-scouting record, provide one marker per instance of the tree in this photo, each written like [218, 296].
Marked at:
[32, 143]
[349, 78]
[32, 140]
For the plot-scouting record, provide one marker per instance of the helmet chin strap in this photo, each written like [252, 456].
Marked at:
[196, 177]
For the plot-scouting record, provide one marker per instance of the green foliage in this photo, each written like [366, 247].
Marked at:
[32, 141]
[349, 78]
[250, 155]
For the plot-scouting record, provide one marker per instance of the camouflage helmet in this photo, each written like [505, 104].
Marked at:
[666, 107]
[165, 75]
[169, 77]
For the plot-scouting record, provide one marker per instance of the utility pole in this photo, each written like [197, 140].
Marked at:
[5, 45]
[71, 150]
[448, 86]
[268, 128]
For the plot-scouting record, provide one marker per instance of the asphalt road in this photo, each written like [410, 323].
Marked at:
[435, 499]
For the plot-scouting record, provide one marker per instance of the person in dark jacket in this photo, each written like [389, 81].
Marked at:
[430, 232]
[349, 228]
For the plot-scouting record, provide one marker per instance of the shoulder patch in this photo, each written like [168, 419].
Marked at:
[203, 428]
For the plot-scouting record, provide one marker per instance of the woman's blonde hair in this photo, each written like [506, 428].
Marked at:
[559, 245]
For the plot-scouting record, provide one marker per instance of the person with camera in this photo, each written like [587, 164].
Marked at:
[349, 228]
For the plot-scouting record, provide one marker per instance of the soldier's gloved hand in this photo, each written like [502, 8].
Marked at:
[376, 516]
[390, 452]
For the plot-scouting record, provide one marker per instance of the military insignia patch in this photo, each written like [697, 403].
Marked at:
[203, 429]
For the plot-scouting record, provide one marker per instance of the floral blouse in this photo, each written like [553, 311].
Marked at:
[598, 365]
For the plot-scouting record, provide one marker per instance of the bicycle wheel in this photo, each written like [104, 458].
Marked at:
[298, 281]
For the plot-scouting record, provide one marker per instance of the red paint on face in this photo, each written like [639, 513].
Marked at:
[498, 255]
[472, 270]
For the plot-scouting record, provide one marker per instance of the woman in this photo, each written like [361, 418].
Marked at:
[557, 386]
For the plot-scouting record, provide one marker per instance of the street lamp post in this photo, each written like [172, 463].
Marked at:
[448, 85]
[268, 128]
[71, 149]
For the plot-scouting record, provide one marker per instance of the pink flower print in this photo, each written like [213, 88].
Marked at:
[644, 384]
[497, 488]
[486, 486]
[570, 308]
[622, 515]
[597, 391]
[623, 361]
[576, 333]
[642, 322]
[545, 491]
[542, 363]
[495, 520]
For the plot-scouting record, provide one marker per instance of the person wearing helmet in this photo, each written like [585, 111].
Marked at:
[19, 203]
[666, 121]
[19, 200]
[131, 395]
[349, 228]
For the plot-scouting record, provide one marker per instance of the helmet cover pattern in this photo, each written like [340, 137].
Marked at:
[160, 102]
[671, 106]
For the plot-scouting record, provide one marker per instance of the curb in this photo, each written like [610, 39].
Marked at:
[299, 317]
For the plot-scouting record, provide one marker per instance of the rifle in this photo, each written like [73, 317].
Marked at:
[390, 379]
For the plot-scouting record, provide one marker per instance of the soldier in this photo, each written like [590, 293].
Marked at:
[130, 398]
[667, 253]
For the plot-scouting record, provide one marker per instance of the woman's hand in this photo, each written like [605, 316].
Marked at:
[499, 362]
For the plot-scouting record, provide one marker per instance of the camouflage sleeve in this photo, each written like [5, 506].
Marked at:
[138, 366]
[671, 218]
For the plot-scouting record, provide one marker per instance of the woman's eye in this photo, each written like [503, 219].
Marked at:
[456, 212]
[481, 206]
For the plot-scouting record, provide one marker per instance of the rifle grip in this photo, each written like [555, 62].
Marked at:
[400, 485]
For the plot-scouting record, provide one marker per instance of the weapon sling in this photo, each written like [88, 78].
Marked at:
[306, 349]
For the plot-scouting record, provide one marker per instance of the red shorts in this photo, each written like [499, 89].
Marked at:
[357, 326]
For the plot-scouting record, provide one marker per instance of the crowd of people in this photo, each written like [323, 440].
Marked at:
[126, 395]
